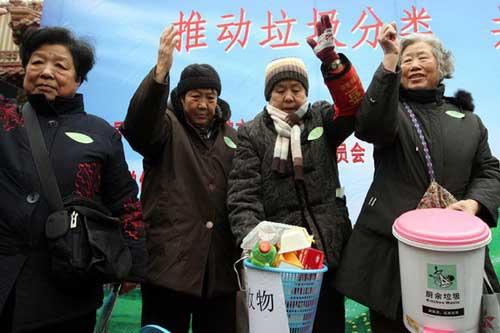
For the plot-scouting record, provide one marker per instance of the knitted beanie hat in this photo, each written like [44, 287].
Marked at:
[198, 76]
[288, 68]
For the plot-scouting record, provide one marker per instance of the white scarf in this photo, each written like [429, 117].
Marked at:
[289, 128]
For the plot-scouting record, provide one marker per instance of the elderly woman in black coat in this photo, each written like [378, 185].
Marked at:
[404, 102]
[89, 165]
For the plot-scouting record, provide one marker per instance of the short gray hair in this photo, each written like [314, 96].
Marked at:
[444, 57]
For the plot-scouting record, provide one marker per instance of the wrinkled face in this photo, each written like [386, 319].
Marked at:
[51, 71]
[288, 95]
[419, 67]
[199, 105]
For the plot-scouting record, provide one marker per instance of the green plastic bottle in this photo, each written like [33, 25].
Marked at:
[263, 254]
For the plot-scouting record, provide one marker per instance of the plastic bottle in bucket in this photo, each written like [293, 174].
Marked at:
[263, 254]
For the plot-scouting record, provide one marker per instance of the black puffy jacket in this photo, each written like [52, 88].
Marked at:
[463, 164]
[88, 161]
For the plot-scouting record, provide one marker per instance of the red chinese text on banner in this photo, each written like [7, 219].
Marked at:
[414, 21]
[275, 33]
[232, 31]
[367, 28]
[332, 14]
[496, 32]
[193, 29]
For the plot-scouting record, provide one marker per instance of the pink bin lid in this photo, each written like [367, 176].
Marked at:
[441, 228]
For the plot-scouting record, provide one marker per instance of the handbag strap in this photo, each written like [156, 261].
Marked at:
[420, 134]
[489, 287]
[41, 158]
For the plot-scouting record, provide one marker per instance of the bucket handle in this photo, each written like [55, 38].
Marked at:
[237, 272]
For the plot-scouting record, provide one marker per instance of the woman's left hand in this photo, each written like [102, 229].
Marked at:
[469, 206]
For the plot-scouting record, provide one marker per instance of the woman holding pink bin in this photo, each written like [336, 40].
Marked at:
[429, 151]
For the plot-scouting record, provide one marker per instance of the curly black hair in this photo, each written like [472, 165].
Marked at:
[81, 50]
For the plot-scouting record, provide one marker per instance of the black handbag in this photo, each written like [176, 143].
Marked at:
[85, 243]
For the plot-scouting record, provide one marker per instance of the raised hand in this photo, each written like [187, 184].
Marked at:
[324, 47]
[388, 39]
[168, 40]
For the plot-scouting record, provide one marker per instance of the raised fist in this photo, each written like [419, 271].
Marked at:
[324, 47]
[388, 39]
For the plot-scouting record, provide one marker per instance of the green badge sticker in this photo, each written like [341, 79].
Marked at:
[455, 114]
[315, 134]
[79, 137]
[229, 142]
[442, 277]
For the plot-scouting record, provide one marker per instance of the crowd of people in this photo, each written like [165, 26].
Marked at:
[207, 186]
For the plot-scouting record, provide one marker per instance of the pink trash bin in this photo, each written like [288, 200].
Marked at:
[441, 258]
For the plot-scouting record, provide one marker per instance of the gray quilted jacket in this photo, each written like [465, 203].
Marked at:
[257, 193]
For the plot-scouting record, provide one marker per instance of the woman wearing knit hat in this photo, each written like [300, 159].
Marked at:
[188, 150]
[301, 188]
